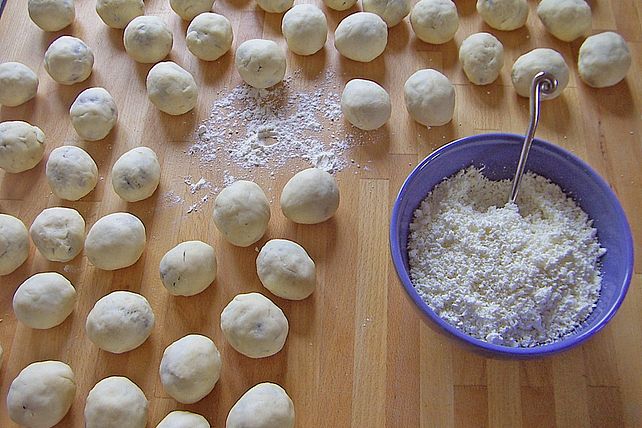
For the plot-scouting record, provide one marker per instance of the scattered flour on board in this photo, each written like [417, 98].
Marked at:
[513, 275]
[263, 130]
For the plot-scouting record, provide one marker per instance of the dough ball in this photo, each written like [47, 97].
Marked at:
[118, 13]
[361, 36]
[120, 321]
[265, 405]
[41, 395]
[604, 60]
[190, 368]
[171, 88]
[71, 172]
[182, 419]
[14, 244]
[188, 9]
[482, 57]
[565, 19]
[275, 6]
[51, 15]
[391, 11]
[44, 300]
[209, 36]
[285, 269]
[365, 104]
[116, 402]
[93, 114]
[115, 241]
[434, 21]
[147, 39]
[136, 174]
[254, 326]
[261, 63]
[340, 5]
[58, 233]
[188, 268]
[69, 60]
[21, 146]
[18, 84]
[311, 196]
[504, 15]
[242, 213]
[429, 97]
[1, 354]
[305, 29]
[531, 63]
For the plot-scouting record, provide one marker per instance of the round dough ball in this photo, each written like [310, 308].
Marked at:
[365, 104]
[21, 146]
[93, 114]
[118, 13]
[116, 402]
[340, 5]
[305, 29]
[391, 11]
[311, 196]
[261, 63]
[69, 60]
[242, 213]
[115, 241]
[136, 174]
[188, 268]
[188, 9]
[565, 19]
[254, 325]
[531, 63]
[361, 36]
[14, 244]
[18, 84]
[434, 21]
[51, 15]
[604, 60]
[190, 368]
[71, 172]
[265, 405]
[209, 36]
[482, 57]
[59, 233]
[41, 395]
[504, 15]
[429, 97]
[286, 269]
[120, 321]
[275, 6]
[182, 419]
[44, 300]
[147, 39]
[171, 88]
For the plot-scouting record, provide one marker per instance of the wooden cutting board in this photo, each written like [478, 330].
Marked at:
[357, 354]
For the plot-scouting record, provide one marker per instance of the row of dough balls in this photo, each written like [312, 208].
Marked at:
[43, 392]
[604, 60]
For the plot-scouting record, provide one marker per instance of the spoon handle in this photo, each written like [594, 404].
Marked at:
[543, 85]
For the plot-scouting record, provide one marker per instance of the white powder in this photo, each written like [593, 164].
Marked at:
[517, 275]
[268, 129]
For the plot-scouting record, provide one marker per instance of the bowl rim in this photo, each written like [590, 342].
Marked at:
[499, 350]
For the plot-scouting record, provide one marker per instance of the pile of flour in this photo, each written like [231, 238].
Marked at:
[513, 275]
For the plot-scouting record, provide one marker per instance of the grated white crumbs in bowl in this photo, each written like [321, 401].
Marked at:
[514, 275]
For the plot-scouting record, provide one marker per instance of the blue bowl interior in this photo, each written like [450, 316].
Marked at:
[498, 154]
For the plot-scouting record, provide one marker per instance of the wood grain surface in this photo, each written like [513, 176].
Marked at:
[357, 354]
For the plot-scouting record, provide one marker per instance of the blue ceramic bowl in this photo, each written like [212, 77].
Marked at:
[498, 155]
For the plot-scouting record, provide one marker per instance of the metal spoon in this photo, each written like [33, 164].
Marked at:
[543, 85]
